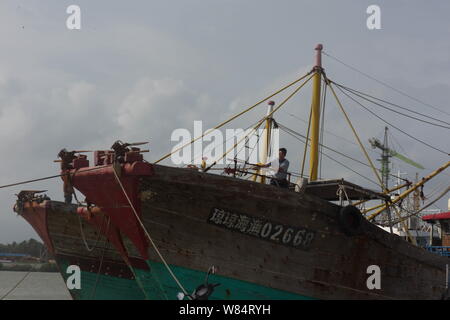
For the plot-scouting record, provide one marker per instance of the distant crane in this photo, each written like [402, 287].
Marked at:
[387, 153]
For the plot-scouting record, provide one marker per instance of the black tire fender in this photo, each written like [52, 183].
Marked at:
[350, 220]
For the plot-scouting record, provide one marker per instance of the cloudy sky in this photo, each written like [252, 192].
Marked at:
[137, 70]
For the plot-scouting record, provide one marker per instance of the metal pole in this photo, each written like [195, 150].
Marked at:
[315, 115]
[431, 234]
[264, 154]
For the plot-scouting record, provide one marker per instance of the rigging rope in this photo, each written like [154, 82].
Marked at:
[322, 127]
[412, 189]
[384, 84]
[47, 178]
[262, 120]
[390, 124]
[390, 103]
[306, 144]
[356, 136]
[327, 131]
[234, 117]
[196, 156]
[332, 159]
[351, 142]
[391, 136]
[405, 227]
[412, 214]
[147, 234]
[392, 110]
[255, 128]
[333, 150]
[439, 187]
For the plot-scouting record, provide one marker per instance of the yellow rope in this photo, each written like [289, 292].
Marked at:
[260, 122]
[356, 135]
[232, 118]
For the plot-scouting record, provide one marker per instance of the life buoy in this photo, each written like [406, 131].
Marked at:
[350, 220]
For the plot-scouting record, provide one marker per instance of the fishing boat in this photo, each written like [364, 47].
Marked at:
[151, 231]
[75, 238]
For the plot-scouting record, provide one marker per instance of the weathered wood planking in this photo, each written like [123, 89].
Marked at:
[176, 204]
[176, 207]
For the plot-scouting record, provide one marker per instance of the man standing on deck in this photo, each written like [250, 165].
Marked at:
[279, 178]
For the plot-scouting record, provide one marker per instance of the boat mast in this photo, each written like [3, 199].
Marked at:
[264, 154]
[315, 115]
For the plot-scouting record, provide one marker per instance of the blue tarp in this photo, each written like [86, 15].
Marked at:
[6, 254]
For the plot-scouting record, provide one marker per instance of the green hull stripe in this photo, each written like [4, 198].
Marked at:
[102, 287]
[159, 285]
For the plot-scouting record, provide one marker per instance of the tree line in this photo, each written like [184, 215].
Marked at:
[32, 247]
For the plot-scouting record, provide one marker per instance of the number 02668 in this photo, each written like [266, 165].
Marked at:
[297, 237]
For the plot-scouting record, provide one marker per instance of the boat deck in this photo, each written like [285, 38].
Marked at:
[329, 190]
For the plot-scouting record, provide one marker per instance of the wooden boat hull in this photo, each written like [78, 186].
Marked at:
[264, 242]
[103, 272]
[179, 209]
[105, 275]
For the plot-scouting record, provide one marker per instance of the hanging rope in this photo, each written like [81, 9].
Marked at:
[341, 191]
[83, 236]
[147, 234]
